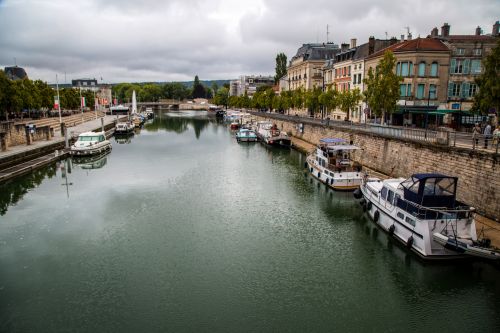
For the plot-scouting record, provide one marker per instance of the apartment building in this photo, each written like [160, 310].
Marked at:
[248, 84]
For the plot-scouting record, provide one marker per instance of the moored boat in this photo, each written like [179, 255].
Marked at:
[269, 133]
[246, 135]
[332, 164]
[423, 214]
[124, 128]
[90, 143]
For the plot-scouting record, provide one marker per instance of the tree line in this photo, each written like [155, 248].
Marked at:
[153, 92]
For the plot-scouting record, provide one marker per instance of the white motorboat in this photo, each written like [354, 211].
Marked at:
[119, 109]
[90, 143]
[269, 133]
[423, 214]
[332, 164]
[124, 127]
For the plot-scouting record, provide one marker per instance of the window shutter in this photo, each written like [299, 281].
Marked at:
[465, 90]
[466, 66]
[453, 63]
[450, 89]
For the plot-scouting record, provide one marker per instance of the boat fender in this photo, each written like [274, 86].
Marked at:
[305, 164]
[409, 242]
[311, 170]
[364, 207]
[331, 181]
[369, 205]
[362, 202]
[356, 193]
[376, 215]
[391, 229]
[319, 175]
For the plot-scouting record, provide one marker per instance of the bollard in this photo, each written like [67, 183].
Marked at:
[102, 124]
[66, 140]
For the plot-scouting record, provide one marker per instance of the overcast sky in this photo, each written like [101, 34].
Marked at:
[173, 40]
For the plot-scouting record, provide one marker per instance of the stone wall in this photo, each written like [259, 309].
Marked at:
[478, 172]
[15, 134]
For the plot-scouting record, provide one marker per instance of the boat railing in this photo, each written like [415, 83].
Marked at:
[434, 213]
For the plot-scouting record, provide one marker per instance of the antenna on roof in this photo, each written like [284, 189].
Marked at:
[407, 30]
[327, 33]
[386, 35]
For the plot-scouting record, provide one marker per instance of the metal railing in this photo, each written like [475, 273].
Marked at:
[444, 137]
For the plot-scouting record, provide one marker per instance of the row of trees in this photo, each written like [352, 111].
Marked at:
[315, 100]
[152, 92]
[36, 97]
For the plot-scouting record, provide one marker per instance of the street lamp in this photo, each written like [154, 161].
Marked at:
[58, 100]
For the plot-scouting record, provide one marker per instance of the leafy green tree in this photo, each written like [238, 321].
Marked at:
[222, 97]
[312, 100]
[198, 88]
[329, 99]
[382, 86]
[349, 99]
[488, 83]
[280, 67]
[298, 98]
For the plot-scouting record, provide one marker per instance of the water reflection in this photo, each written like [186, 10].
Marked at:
[123, 138]
[14, 191]
[91, 162]
[179, 122]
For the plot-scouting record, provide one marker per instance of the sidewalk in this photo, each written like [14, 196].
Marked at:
[57, 139]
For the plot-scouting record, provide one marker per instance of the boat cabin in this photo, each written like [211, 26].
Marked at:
[90, 138]
[335, 154]
[431, 190]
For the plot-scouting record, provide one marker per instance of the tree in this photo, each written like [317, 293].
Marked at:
[329, 99]
[312, 99]
[198, 88]
[488, 83]
[222, 97]
[349, 99]
[298, 98]
[280, 67]
[382, 86]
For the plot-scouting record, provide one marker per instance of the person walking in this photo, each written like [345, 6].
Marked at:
[476, 131]
[487, 135]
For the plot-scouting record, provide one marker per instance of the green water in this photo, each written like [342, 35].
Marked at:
[181, 229]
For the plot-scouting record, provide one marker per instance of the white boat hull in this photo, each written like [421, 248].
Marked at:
[340, 181]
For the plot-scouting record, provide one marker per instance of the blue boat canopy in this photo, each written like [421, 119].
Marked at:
[431, 189]
[332, 140]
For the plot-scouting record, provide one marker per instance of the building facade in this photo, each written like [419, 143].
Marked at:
[249, 84]
[85, 84]
[305, 69]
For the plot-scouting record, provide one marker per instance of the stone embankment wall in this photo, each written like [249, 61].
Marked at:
[478, 172]
[15, 134]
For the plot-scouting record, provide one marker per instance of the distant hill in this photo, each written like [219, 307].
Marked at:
[189, 84]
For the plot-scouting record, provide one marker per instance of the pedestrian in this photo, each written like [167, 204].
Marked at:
[496, 135]
[476, 131]
[487, 135]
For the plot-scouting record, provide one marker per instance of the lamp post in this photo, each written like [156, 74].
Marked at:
[58, 100]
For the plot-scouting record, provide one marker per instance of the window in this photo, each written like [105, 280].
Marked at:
[401, 216]
[432, 91]
[404, 68]
[410, 221]
[460, 51]
[359, 78]
[459, 66]
[420, 91]
[405, 90]
[421, 69]
[454, 89]
[434, 69]
[477, 52]
[390, 196]
[472, 89]
[383, 192]
[475, 66]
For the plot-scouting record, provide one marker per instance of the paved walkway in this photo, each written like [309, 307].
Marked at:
[72, 131]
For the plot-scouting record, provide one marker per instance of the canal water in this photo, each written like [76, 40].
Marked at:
[182, 229]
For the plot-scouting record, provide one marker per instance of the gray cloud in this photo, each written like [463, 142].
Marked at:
[152, 40]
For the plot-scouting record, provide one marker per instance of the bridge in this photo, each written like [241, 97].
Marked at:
[163, 103]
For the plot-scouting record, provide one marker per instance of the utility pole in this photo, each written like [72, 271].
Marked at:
[327, 33]
[58, 101]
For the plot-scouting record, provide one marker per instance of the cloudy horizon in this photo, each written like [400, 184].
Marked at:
[151, 40]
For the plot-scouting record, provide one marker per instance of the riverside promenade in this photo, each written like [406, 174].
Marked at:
[22, 159]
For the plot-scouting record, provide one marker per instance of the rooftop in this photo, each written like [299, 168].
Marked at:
[414, 45]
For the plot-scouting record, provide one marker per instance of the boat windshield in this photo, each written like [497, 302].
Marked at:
[88, 138]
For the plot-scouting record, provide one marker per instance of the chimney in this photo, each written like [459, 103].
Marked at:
[478, 31]
[496, 28]
[434, 32]
[353, 42]
[344, 47]
[371, 45]
[402, 38]
[393, 41]
[409, 36]
[445, 30]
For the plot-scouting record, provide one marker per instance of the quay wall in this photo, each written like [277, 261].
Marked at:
[478, 172]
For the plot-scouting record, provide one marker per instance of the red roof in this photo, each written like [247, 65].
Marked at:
[471, 37]
[415, 45]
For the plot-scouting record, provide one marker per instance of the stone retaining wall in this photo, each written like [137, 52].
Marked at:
[478, 172]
